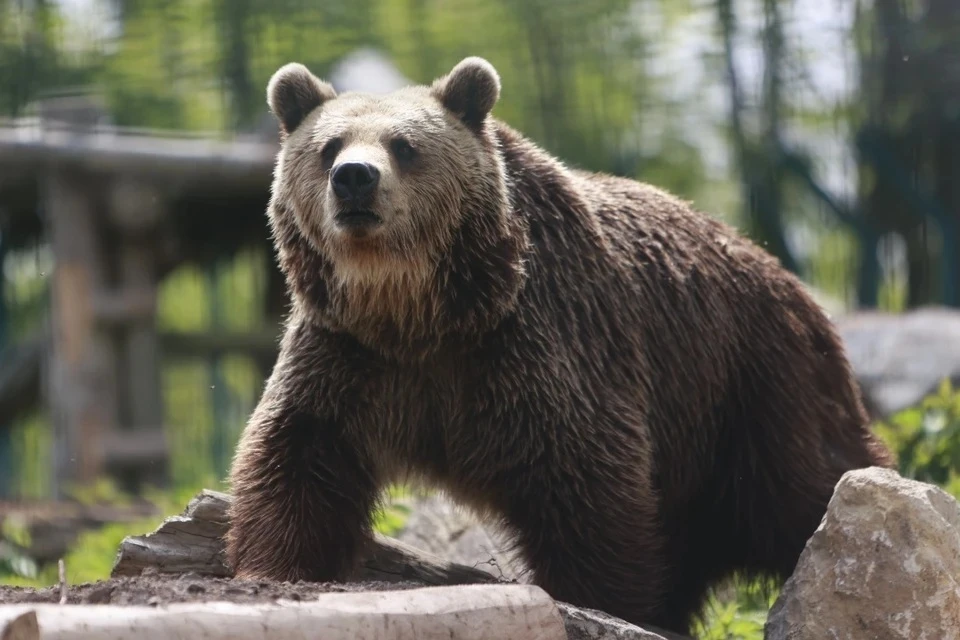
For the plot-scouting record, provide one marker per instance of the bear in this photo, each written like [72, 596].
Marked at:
[646, 402]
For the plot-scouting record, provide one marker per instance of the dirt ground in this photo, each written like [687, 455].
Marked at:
[158, 589]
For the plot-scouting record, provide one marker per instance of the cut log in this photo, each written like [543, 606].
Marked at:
[476, 612]
[193, 542]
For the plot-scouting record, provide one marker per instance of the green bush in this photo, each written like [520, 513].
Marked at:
[926, 439]
[737, 612]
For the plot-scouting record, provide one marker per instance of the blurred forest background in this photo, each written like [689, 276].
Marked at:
[826, 130]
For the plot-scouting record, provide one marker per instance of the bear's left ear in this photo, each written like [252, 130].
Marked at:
[293, 92]
[469, 91]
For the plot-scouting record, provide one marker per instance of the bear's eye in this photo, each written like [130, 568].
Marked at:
[403, 150]
[330, 150]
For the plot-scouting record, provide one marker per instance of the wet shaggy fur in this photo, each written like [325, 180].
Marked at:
[644, 400]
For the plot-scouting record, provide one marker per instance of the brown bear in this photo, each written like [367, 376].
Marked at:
[645, 401]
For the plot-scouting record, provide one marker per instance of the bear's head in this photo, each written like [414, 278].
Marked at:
[392, 213]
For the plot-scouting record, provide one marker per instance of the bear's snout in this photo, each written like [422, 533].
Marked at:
[355, 182]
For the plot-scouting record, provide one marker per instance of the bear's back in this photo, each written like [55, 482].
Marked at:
[648, 297]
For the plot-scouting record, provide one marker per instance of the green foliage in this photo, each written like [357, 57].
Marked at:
[831, 263]
[391, 517]
[32, 443]
[737, 612]
[31, 60]
[926, 439]
[731, 621]
[14, 538]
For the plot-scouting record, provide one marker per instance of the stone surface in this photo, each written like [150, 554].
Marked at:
[900, 358]
[590, 624]
[884, 563]
[439, 527]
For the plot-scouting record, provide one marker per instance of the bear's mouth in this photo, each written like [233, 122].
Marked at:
[358, 219]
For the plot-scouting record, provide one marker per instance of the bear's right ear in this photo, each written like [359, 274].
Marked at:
[293, 92]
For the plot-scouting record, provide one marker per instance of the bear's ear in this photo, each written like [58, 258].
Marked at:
[469, 91]
[293, 92]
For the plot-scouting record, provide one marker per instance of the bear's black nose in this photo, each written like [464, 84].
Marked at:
[354, 180]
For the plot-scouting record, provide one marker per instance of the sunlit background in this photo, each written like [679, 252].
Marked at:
[140, 301]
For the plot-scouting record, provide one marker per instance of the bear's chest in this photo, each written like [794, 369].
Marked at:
[412, 410]
[442, 418]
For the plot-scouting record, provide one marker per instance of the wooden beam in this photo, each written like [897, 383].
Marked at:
[185, 160]
[82, 390]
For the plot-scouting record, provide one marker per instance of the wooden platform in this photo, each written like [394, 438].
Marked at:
[120, 208]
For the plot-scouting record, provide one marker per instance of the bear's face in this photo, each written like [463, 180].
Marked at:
[391, 213]
[379, 184]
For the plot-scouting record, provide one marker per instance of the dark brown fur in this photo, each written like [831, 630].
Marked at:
[646, 401]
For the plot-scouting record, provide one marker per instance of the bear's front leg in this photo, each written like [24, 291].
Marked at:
[304, 490]
[585, 513]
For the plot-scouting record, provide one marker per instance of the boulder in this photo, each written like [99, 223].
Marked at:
[590, 624]
[439, 527]
[900, 358]
[884, 563]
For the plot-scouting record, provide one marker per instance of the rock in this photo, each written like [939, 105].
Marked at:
[19, 626]
[884, 563]
[439, 527]
[900, 358]
[590, 624]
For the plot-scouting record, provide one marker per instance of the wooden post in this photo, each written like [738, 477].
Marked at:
[135, 209]
[82, 393]
[143, 405]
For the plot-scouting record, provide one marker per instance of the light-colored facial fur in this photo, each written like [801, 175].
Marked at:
[435, 161]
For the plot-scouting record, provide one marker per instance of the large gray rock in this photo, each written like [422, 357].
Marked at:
[590, 624]
[884, 563]
[438, 526]
[900, 358]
